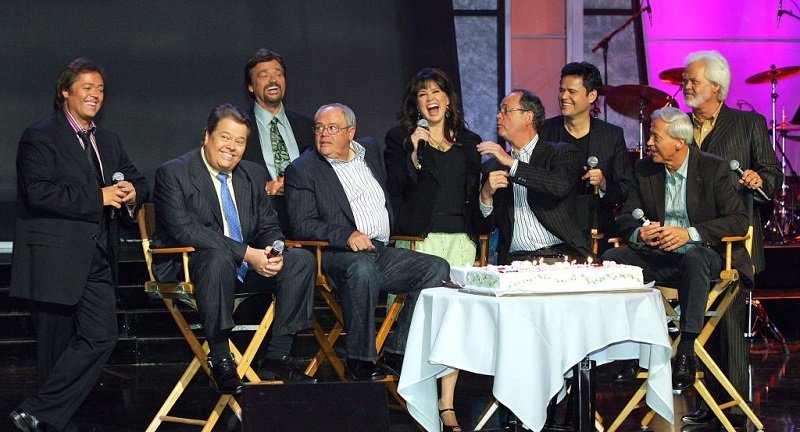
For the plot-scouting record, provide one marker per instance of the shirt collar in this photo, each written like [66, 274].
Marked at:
[266, 117]
[76, 127]
[712, 119]
[682, 170]
[357, 148]
[528, 149]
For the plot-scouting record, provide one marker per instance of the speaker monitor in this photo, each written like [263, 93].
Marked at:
[332, 407]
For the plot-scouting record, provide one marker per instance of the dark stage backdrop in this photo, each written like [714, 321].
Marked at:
[169, 62]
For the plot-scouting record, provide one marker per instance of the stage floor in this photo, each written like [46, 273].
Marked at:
[128, 396]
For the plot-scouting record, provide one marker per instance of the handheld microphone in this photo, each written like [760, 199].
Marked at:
[115, 178]
[638, 214]
[277, 249]
[592, 164]
[734, 164]
[423, 124]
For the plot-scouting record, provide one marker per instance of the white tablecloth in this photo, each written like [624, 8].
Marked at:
[529, 343]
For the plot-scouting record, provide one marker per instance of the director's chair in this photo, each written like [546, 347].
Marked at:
[720, 298]
[175, 293]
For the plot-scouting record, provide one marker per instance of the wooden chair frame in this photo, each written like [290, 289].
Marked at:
[720, 298]
[183, 292]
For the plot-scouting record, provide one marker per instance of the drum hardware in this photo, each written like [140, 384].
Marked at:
[638, 101]
[781, 222]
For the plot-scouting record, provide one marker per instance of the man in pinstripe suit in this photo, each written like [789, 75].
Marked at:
[741, 136]
[530, 194]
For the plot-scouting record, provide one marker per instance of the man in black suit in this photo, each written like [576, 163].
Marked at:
[279, 135]
[338, 194]
[213, 201]
[536, 215]
[690, 196]
[612, 176]
[65, 250]
[741, 136]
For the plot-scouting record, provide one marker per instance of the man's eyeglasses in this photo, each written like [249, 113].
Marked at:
[505, 109]
[331, 129]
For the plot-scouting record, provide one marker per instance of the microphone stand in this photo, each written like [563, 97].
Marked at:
[782, 12]
[604, 45]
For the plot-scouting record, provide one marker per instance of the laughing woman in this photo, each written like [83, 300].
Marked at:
[433, 171]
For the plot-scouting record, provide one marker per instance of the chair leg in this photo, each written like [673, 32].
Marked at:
[327, 340]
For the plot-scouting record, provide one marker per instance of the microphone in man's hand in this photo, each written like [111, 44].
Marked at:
[592, 164]
[638, 214]
[115, 178]
[734, 164]
[277, 249]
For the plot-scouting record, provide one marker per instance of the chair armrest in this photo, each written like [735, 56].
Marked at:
[735, 238]
[172, 250]
[306, 243]
[616, 241]
[406, 238]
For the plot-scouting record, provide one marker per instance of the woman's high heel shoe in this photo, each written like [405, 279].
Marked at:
[446, 428]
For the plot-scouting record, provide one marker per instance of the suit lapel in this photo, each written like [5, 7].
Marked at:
[694, 184]
[241, 192]
[74, 148]
[721, 129]
[657, 186]
[203, 183]
[328, 177]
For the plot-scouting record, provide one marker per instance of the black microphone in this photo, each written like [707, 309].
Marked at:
[423, 124]
[638, 214]
[277, 249]
[592, 164]
[734, 164]
[115, 178]
[649, 13]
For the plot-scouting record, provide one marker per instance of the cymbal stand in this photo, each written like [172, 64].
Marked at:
[778, 223]
[604, 45]
[641, 128]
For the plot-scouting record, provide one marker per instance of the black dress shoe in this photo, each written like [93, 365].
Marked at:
[26, 421]
[683, 371]
[362, 370]
[627, 371]
[224, 377]
[700, 416]
[283, 369]
[392, 363]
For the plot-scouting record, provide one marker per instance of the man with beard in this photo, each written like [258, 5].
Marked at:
[732, 135]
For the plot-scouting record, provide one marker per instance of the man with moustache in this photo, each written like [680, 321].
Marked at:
[530, 193]
[613, 176]
[279, 135]
[65, 249]
[741, 136]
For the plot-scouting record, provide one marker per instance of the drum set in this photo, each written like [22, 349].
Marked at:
[639, 101]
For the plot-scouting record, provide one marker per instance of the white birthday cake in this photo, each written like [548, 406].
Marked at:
[526, 277]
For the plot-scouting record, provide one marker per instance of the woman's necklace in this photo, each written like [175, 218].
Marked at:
[441, 145]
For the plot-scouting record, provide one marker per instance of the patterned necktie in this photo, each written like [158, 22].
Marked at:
[279, 152]
[91, 156]
[232, 217]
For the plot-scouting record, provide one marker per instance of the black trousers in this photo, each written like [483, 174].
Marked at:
[214, 275]
[73, 343]
[693, 271]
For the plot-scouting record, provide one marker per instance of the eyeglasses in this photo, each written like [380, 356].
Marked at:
[505, 109]
[331, 129]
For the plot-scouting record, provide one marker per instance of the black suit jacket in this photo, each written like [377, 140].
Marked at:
[742, 136]
[712, 203]
[318, 205]
[188, 211]
[551, 178]
[60, 209]
[416, 191]
[303, 134]
[607, 143]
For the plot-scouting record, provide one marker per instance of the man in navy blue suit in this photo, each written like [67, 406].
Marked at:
[338, 193]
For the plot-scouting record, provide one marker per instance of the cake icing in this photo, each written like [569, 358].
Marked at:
[527, 277]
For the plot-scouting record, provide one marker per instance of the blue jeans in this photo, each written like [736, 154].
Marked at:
[359, 277]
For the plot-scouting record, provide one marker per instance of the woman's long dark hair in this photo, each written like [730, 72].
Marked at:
[409, 114]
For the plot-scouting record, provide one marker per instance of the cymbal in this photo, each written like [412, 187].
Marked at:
[672, 76]
[767, 76]
[626, 99]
